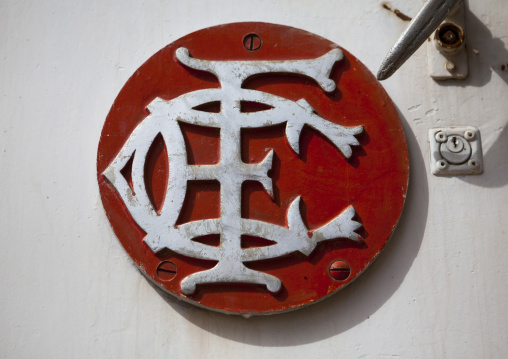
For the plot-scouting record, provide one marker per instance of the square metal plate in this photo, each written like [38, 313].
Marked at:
[455, 151]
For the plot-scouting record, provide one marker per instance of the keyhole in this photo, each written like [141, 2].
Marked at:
[455, 144]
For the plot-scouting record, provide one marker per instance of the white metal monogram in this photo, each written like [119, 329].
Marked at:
[161, 229]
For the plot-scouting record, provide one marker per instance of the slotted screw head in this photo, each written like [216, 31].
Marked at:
[450, 66]
[340, 270]
[166, 270]
[252, 42]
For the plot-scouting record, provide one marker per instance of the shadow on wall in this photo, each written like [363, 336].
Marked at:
[349, 307]
[486, 54]
[495, 165]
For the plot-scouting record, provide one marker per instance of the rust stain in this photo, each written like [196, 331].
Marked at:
[397, 12]
[402, 16]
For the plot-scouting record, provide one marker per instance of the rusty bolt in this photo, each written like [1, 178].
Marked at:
[252, 42]
[340, 270]
[166, 270]
[449, 36]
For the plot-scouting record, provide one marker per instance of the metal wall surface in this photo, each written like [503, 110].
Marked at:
[70, 290]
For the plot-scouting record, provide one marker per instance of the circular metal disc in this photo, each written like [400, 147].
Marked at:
[373, 180]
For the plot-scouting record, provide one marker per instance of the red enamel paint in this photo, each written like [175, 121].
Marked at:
[374, 180]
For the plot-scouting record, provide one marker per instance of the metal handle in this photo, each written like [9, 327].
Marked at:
[419, 29]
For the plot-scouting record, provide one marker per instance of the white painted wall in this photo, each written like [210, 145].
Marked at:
[70, 291]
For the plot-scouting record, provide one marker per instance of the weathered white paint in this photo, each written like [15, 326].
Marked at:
[68, 289]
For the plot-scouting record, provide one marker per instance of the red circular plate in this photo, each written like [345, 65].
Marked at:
[372, 181]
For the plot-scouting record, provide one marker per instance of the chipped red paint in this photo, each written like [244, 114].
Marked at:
[374, 180]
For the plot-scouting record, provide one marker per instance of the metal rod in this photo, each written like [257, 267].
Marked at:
[420, 28]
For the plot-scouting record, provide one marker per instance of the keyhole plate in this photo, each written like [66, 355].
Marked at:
[455, 151]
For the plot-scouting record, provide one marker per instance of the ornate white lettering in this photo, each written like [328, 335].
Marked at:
[161, 229]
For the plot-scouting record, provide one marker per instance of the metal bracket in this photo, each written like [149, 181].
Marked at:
[455, 151]
[446, 48]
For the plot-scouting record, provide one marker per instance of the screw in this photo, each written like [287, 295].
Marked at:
[166, 270]
[252, 42]
[450, 66]
[340, 270]
[472, 164]
[469, 135]
[442, 164]
[440, 137]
